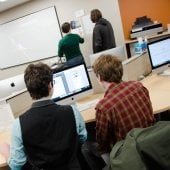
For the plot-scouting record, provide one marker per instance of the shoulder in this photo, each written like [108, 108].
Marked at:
[75, 36]
[16, 128]
[132, 83]
[61, 41]
[16, 123]
[64, 108]
[136, 86]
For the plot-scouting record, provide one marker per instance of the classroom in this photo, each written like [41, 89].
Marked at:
[122, 14]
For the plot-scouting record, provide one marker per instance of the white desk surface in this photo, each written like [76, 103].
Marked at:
[159, 90]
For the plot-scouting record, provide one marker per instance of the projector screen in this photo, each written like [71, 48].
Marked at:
[29, 38]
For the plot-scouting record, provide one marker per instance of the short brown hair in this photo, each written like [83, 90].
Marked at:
[95, 15]
[37, 78]
[109, 68]
[66, 27]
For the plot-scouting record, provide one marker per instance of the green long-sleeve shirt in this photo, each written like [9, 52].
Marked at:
[69, 45]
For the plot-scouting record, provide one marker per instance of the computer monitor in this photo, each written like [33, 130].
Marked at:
[71, 84]
[117, 51]
[12, 86]
[159, 54]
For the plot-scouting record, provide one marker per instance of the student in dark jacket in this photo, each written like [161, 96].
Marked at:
[103, 34]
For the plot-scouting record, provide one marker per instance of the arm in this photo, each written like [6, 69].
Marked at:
[81, 40]
[17, 155]
[60, 50]
[97, 40]
[80, 125]
[102, 132]
[4, 150]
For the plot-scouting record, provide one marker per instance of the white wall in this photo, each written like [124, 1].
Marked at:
[66, 12]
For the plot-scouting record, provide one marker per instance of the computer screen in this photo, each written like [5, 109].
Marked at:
[71, 84]
[159, 52]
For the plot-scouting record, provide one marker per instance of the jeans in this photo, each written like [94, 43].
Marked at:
[74, 61]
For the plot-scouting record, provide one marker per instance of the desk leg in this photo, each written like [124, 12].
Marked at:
[128, 50]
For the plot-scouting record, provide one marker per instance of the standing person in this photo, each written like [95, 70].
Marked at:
[103, 34]
[47, 135]
[69, 46]
[126, 105]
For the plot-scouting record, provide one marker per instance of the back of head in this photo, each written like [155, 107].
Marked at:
[66, 27]
[95, 15]
[109, 68]
[37, 79]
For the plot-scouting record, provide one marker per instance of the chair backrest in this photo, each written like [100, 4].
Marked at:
[143, 148]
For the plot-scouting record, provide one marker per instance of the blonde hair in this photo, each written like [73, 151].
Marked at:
[109, 68]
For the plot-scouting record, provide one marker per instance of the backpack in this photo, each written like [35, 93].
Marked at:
[143, 149]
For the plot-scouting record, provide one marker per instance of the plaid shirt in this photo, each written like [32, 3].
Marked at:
[125, 106]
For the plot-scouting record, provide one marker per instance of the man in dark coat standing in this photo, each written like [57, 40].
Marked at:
[103, 34]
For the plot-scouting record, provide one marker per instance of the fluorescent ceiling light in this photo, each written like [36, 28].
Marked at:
[3, 0]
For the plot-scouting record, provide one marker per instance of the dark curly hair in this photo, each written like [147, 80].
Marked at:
[37, 78]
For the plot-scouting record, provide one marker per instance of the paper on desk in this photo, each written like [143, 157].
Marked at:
[6, 116]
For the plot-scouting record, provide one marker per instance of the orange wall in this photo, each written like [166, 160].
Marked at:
[157, 10]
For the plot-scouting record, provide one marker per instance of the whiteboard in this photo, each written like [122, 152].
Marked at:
[29, 38]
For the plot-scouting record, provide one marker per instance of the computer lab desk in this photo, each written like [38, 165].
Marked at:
[159, 90]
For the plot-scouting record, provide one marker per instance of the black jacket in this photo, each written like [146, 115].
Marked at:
[49, 136]
[103, 36]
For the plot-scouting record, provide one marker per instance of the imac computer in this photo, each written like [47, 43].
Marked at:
[71, 84]
[117, 51]
[159, 54]
[12, 86]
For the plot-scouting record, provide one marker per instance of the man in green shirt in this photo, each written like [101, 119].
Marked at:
[69, 46]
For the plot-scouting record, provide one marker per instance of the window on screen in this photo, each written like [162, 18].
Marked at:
[69, 82]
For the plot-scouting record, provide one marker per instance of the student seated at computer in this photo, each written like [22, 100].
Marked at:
[126, 105]
[47, 135]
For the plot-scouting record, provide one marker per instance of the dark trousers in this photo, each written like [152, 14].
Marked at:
[83, 163]
[92, 156]
[74, 61]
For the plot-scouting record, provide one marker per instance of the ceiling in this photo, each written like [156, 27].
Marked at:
[10, 3]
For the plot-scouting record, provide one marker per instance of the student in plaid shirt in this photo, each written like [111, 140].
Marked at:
[126, 105]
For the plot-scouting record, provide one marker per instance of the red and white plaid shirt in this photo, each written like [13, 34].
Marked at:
[125, 106]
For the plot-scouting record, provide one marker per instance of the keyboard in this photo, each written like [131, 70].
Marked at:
[87, 105]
